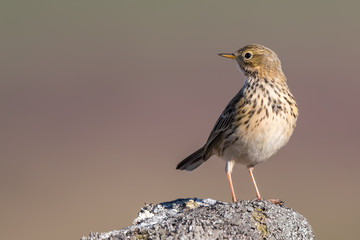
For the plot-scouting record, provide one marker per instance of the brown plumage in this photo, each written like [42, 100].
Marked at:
[257, 122]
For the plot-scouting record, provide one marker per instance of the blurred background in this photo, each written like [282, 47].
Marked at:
[101, 99]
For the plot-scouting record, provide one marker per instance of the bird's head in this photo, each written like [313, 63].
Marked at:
[257, 61]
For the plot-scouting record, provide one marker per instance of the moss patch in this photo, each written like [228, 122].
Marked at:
[143, 235]
[259, 217]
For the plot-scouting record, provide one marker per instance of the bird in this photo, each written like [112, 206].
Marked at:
[257, 122]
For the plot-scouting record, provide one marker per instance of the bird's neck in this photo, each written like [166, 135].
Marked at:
[271, 74]
[280, 80]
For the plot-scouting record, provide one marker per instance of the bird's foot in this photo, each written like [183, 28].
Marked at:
[273, 201]
[276, 201]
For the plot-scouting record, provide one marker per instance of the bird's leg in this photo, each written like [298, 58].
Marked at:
[228, 169]
[274, 201]
[254, 182]
[231, 187]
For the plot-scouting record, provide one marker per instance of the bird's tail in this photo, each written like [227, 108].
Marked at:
[192, 161]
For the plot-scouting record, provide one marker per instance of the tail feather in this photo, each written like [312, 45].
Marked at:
[192, 161]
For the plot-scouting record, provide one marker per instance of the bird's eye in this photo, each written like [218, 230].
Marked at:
[248, 55]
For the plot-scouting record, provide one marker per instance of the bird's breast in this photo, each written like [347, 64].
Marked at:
[265, 120]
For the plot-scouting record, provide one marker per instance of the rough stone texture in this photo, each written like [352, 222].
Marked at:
[194, 218]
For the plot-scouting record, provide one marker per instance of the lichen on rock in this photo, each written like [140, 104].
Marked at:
[194, 218]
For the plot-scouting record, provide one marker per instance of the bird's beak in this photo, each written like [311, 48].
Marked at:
[227, 55]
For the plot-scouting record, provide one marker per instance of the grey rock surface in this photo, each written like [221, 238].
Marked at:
[194, 218]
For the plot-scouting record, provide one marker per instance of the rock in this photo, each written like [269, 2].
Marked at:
[194, 218]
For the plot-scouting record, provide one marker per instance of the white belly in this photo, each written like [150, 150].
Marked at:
[261, 143]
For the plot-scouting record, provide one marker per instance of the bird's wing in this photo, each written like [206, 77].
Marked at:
[224, 122]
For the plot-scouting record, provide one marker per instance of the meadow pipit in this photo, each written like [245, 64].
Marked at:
[257, 122]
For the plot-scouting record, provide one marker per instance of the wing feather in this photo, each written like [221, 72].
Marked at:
[224, 123]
